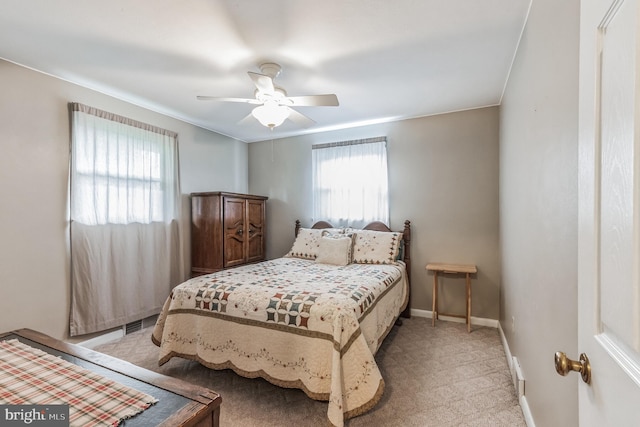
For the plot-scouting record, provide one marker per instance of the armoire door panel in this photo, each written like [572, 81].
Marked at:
[206, 235]
[234, 230]
[255, 230]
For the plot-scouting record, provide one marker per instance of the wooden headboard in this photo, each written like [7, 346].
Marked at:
[381, 226]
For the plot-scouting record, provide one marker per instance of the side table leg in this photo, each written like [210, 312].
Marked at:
[434, 295]
[468, 303]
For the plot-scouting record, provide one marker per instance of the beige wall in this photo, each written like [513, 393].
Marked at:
[538, 207]
[443, 177]
[34, 141]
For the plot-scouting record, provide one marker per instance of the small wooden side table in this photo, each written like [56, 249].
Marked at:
[466, 269]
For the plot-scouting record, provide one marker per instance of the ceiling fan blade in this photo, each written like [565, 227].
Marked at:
[248, 118]
[299, 118]
[262, 82]
[222, 99]
[328, 100]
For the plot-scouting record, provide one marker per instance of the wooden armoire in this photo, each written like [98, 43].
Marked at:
[227, 230]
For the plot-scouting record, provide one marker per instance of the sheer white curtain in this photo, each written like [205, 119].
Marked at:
[126, 251]
[350, 182]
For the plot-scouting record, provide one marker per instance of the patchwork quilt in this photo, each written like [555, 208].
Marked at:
[294, 322]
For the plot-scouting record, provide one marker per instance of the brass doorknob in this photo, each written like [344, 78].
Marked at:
[564, 365]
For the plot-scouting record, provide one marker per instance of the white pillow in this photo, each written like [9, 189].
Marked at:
[335, 249]
[306, 245]
[376, 247]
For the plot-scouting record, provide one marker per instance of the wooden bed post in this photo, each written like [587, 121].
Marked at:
[297, 227]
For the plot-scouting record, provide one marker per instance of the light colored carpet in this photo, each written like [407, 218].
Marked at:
[440, 376]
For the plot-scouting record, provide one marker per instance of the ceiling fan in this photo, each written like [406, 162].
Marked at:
[274, 106]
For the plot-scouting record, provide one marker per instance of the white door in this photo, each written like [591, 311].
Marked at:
[609, 212]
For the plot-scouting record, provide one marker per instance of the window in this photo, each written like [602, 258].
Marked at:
[350, 184]
[126, 251]
[122, 172]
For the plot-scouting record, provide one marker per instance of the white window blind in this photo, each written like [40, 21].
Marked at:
[350, 182]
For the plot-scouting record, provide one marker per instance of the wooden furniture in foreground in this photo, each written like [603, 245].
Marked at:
[179, 403]
[465, 269]
[227, 230]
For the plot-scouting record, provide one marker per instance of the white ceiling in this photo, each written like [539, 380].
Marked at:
[385, 60]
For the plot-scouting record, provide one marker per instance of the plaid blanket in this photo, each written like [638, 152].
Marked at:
[32, 377]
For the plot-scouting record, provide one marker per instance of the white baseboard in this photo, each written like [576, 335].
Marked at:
[528, 418]
[510, 358]
[103, 339]
[518, 380]
[119, 333]
[480, 321]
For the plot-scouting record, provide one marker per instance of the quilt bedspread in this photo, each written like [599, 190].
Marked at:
[294, 322]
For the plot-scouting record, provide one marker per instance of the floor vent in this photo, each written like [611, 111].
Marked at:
[138, 325]
[132, 327]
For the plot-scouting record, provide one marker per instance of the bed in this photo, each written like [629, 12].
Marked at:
[313, 319]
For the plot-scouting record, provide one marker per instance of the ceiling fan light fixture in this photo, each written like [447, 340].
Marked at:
[270, 114]
[275, 106]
